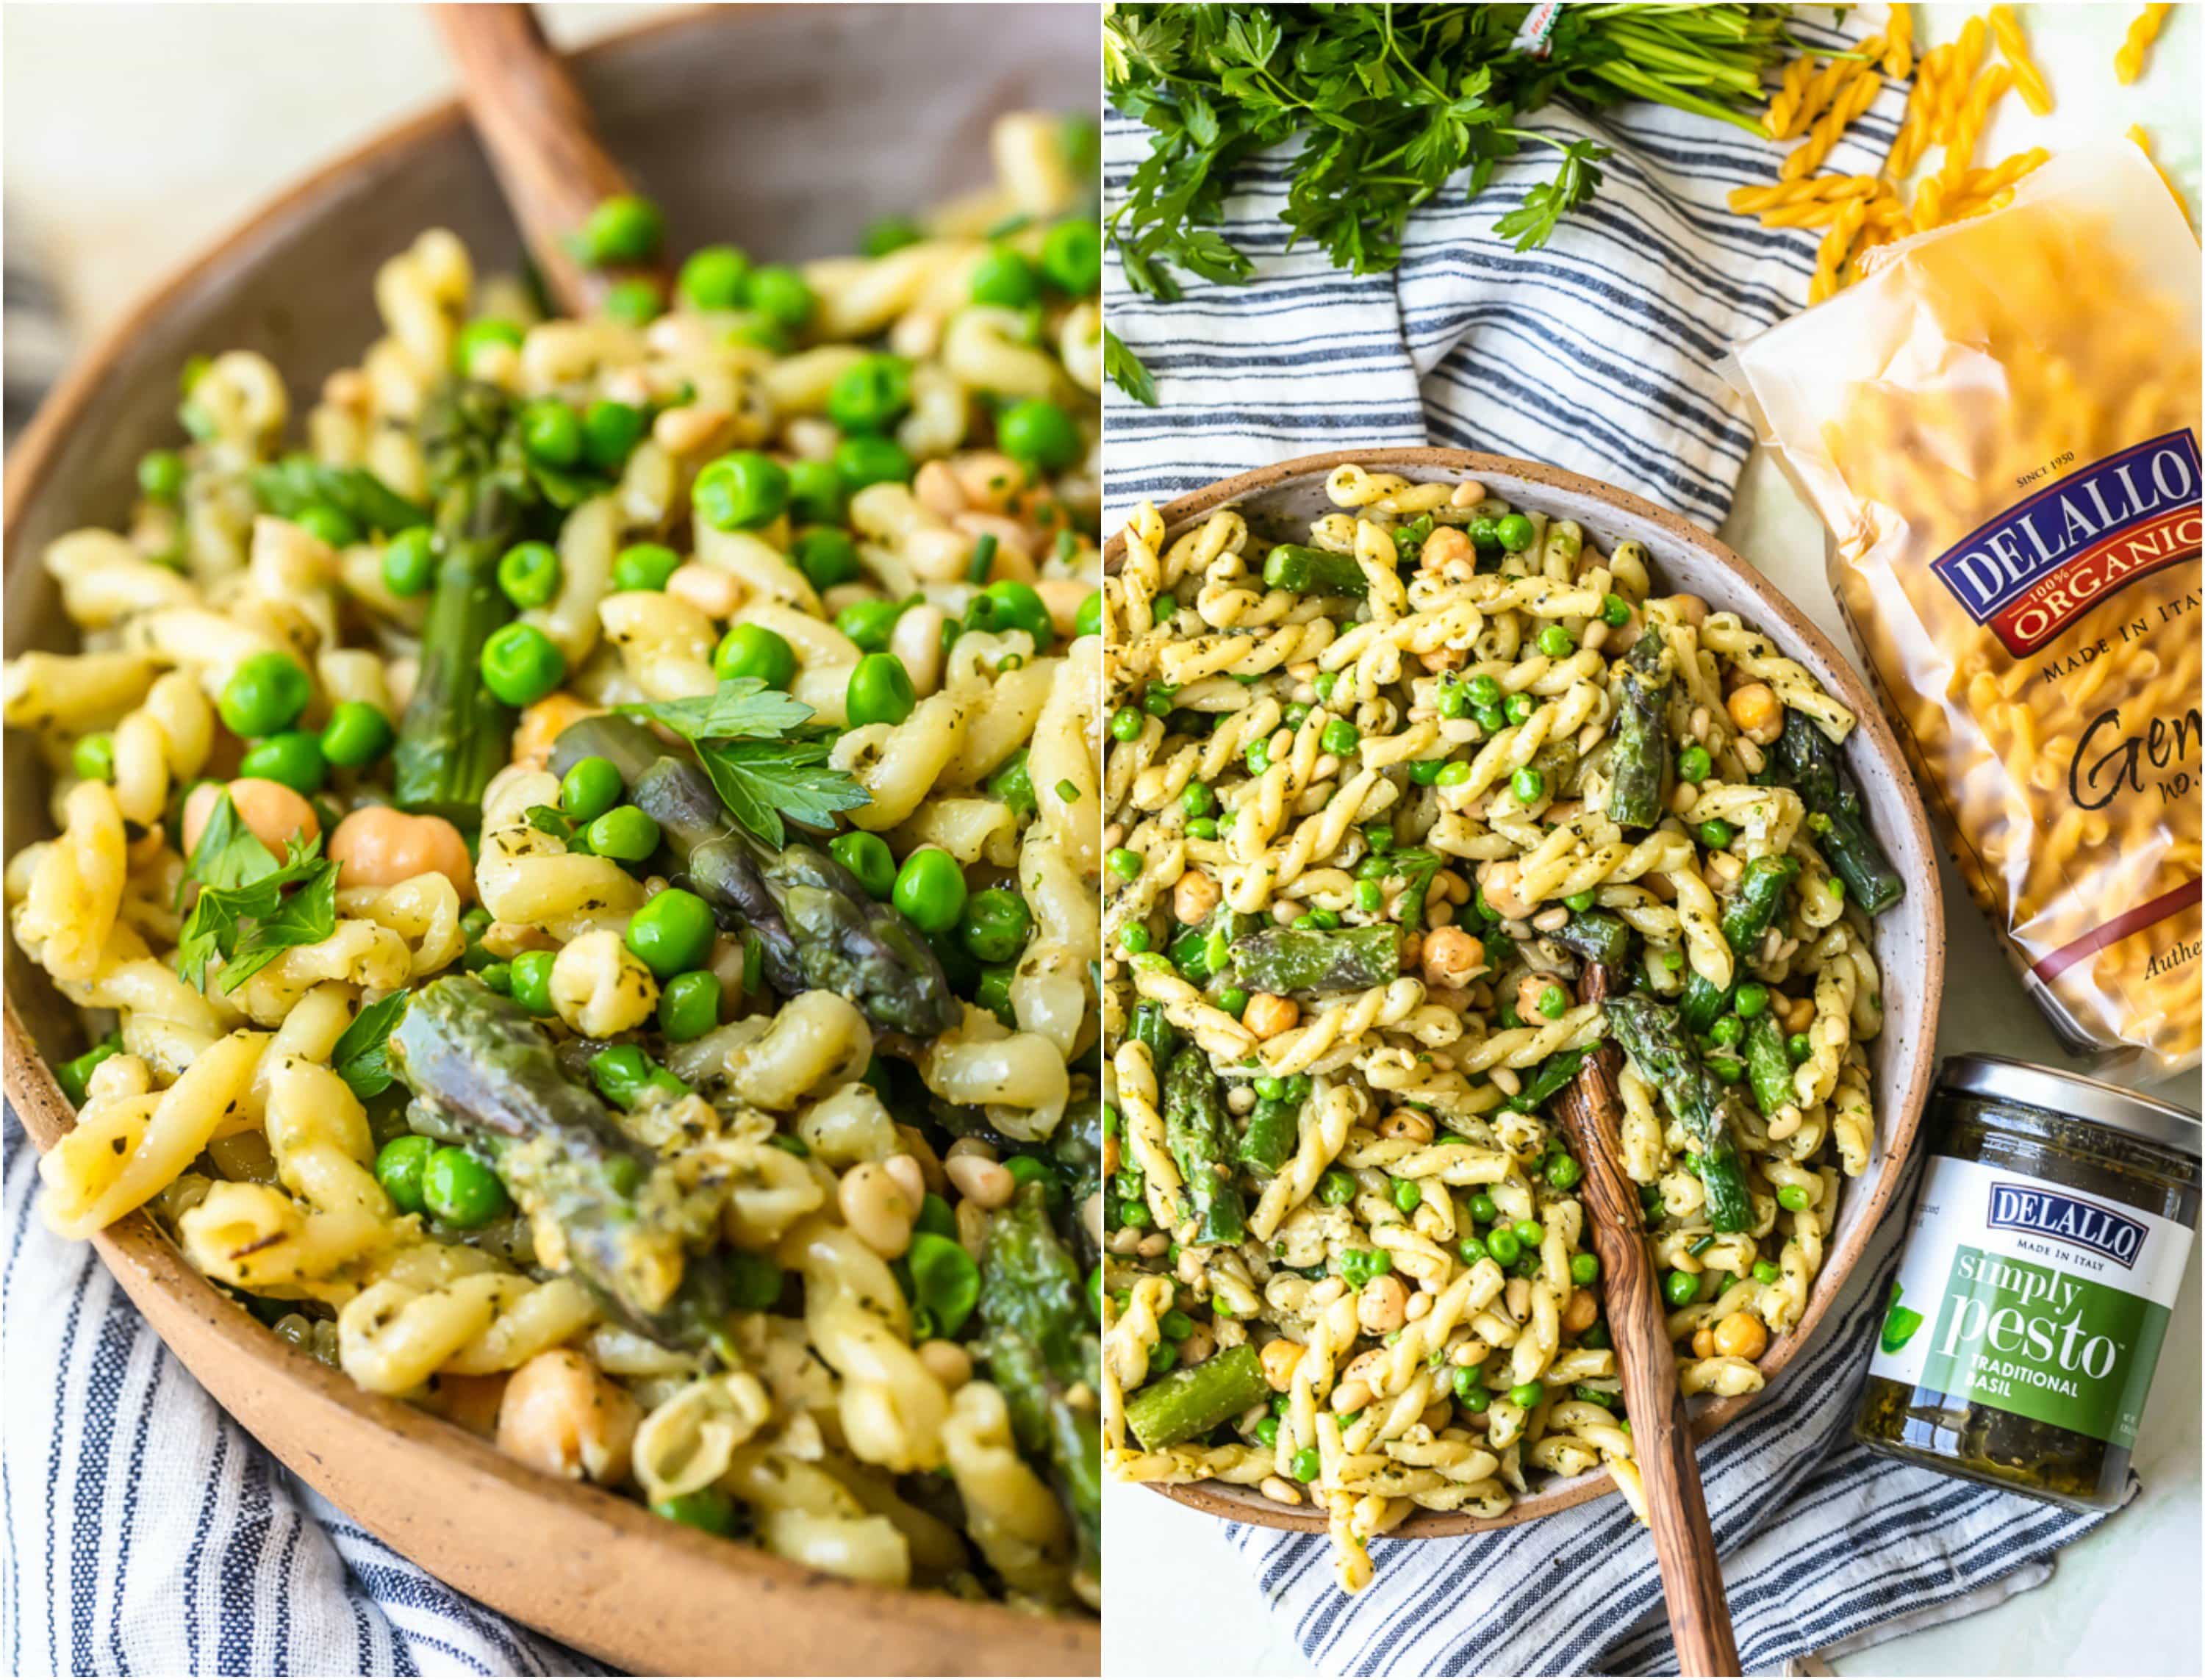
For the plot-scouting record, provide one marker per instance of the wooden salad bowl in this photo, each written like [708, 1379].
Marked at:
[786, 128]
[1909, 937]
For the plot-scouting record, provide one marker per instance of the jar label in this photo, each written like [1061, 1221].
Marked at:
[2025, 1296]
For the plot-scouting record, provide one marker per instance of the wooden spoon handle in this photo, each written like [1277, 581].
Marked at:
[542, 140]
[1660, 1433]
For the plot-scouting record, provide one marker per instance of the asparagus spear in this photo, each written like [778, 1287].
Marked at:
[1039, 1350]
[1767, 1065]
[1597, 935]
[1653, 1038]
[454, 734]
[288, 487]
[1196, 1398]
[1148, 1026]
[1194, 1131]
[1267, 1142]
[484, 1073]
[1751, 908]
[818, 928]
[1313, 571]
[1287, 959]
[1556, 1072]
[1640, 764]
[1805, 760]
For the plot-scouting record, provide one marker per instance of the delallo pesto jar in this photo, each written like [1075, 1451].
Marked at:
[2048, 1244]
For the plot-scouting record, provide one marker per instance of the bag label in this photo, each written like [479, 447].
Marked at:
[2025, 1296]
[2045, 562]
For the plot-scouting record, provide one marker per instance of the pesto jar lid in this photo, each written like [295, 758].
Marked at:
[2005, 1080]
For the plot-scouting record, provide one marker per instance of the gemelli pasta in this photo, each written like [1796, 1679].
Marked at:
[583, 878]
[1382, 795]
[1999, 428]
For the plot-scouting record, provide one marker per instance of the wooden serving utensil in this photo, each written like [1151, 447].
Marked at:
[543, 141]
[1676, 1508]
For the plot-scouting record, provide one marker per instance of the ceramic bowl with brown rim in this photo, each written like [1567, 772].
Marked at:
[1909, 937]
[787, 129]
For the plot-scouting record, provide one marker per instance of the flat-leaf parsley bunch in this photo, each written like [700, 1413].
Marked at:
[1390, 102]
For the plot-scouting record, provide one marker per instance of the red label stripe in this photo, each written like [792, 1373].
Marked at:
[2112, 932]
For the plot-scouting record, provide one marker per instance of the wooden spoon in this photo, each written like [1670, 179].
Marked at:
[542, 140]
[1662, 1436]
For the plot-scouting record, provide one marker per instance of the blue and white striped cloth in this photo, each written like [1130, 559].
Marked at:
[1597, 353]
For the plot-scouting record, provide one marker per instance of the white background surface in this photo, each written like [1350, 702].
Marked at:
[134, 135]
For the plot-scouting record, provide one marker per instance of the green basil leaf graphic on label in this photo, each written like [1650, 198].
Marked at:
[1899, 1323]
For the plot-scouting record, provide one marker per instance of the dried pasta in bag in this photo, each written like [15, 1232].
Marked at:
[1999, 426]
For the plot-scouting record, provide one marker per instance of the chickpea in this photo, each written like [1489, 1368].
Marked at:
[1279, 1357]
[1741, 1336]
[562, 1415]
[1452, 957]
[379, 845]
[1529, 990]
[541, 724]
[1406, 1124]
[989, 480]
[1368, 1368]
[874, 1206]
[712, 589]
[1498, 881]
[272, 812]
[1194, 897]
[1703, 1343]
[1754, 707]
[951, 1365]
[1444, 544]
[1690, 610]
[1382, 1305]
[983, 1183]
[1583, 1307]
[1062, 597]
[935, 488]
[1267, 1015]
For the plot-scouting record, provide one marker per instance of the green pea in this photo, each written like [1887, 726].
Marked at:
[477, 336]
[1424, 772]
[740, 491]
[161, 474]
[1454, 700]
[1340, 737]
[689, 1005]
[1017, 606]
[645, 565]
[1134, 939]
[706, 1508]
[864, 459]
[754, 651]
[1503, 1245]
[1088, 621]
[782, 295]
[1071, 256]
[827, 556]
[591, 787]
[1693, 764]
[332, 524]
[1006, 279]
[945, 1280]
[1038, 432]
[1472, 1250]
[1267, 1433]
[92, 757]
[626, 228]
[1408, 1195]
[1336, 1189]
[531, 981]
[1614, 611]
[610, 431]
[265, 693]
[1563, 1172]
[1728, 1031]
[1528, 785]
[1475, 1396]
[716, 277]
[498, 976]
[930, 889]
[551, 432]
[754, 1282]
[625, 834]
[1452, 774]
[635, 301]
[622, 1074]
[1122, 863]
[1716, 834]
[1752, 999]
[521, 664]
[673, 933]
[460, 1191]
[1580, 902]
[871, 394]
[1483, 1209]
[1513, 532]
[409, 562]
[1126, 724]
[293, 759]
[1728, 1069]
[475, 922]
[1305, 1465]
[1527, 1394]
[1529, 1232]
[995, 925]
[1793, 1198]
[1799, 1048]
[1518, 708]
[1556, 641]
[1483, 691]
[1767, 1272]
[1681, 1289]
[1484, 532]
[869, 623]
[1369, 897]
[868, 857]
[879, 692]
[992, 991]
[357, 734]
[530, 574]
[1234, 1001]
[1585, 1269]
[1492, 719]
[398, 1167]
[74, 1076]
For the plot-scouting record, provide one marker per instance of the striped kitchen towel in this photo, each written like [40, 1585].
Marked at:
[1597, 353]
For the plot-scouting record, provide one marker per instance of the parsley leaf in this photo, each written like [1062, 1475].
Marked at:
[741, 708]
[360, 1057]
[1126, 370]
[745, 735]
[1531, 224]
[229, 853]
[242, 915]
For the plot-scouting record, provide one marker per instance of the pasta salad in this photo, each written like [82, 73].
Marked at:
[587, 873]
[1381, 797]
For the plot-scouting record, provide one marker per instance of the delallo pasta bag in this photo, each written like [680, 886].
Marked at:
[1999, 426]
